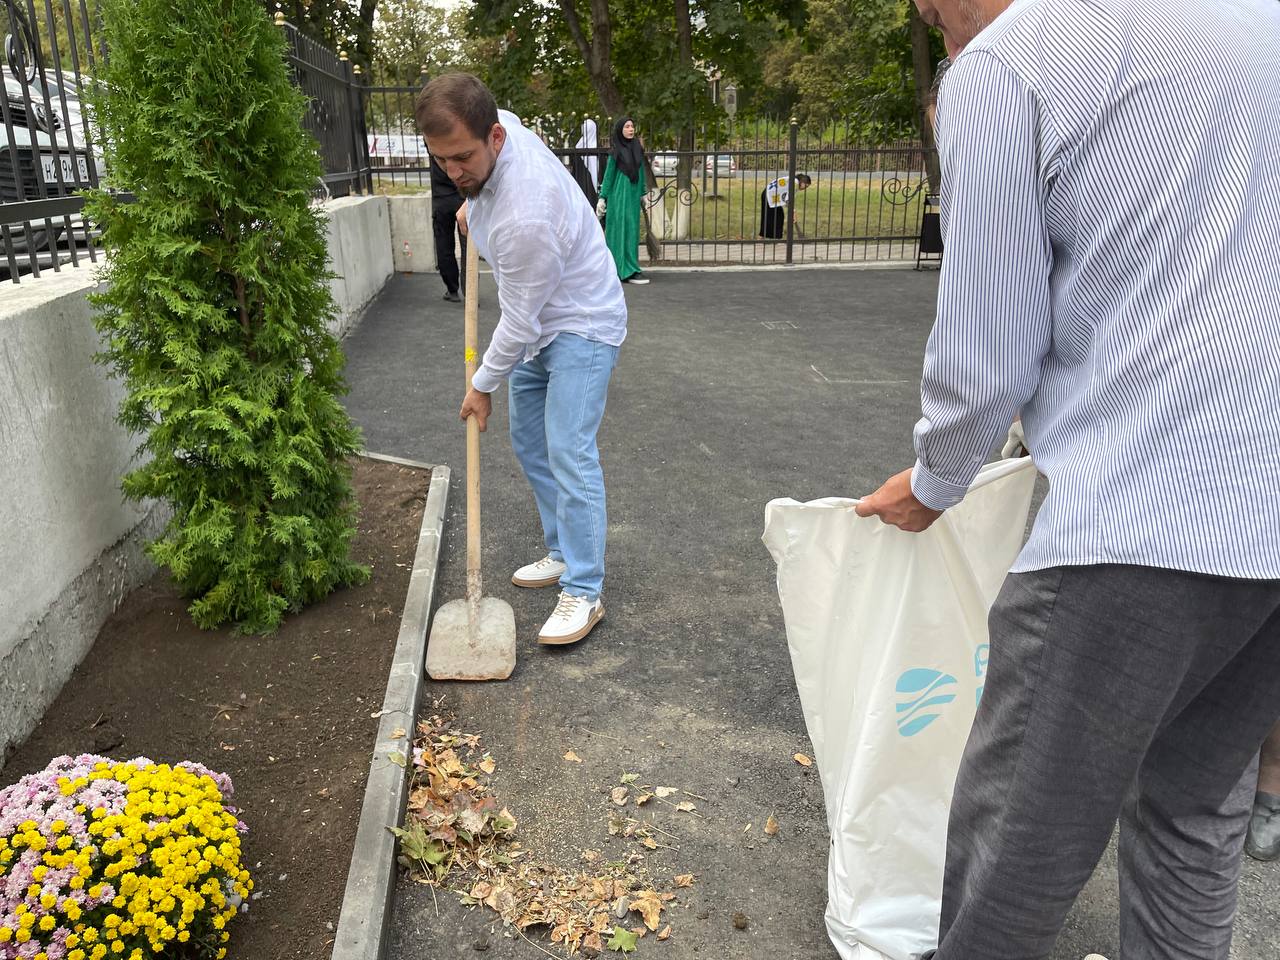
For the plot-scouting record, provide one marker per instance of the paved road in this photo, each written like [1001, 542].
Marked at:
[733, 388]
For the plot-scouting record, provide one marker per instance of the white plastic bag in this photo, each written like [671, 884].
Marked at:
[888, 639]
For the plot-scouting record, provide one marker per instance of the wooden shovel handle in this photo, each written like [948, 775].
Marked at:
[471, 316]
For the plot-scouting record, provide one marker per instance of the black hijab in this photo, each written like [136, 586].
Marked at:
[628, 155]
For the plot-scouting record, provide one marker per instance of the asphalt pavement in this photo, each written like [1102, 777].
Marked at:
[733, 388]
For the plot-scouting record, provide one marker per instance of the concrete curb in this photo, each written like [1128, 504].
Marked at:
[366, 904]
[387, 458]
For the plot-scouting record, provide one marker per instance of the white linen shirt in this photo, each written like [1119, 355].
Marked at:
[1110, 175]
[534, 226]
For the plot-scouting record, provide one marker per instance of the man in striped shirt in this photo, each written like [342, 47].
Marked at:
[1110, 177]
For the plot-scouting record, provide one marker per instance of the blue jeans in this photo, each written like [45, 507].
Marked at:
[557, 403]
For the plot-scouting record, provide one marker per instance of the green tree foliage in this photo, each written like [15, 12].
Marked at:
[338, 24]
[217, 307]
[539, 69]
[412, 34]
[852, 64]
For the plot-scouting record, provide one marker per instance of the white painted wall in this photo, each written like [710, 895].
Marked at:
[412, 238]
[360, 253]
[70, 546]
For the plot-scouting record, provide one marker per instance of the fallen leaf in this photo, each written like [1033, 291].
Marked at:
[629, 778]
[664, 792]
[665, 932]
[397, 733]
[684, 806]
[624, 941]
[643, 798]
[649, 905]
[685, 880]
[804, 761]
[590, 856]
[396, 757]
[649, 843]
[572, 757]
[487, 764]
[619, 796]
[592, 943]
[771, 825]
[741, 921]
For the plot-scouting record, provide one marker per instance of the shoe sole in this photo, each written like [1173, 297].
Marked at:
[544, 582]
[573, 637]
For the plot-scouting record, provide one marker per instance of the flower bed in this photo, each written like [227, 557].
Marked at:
[118, 859]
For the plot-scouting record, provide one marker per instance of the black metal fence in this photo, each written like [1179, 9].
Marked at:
[47, 149]
[712, 203]
[50, 149]
[334, 88]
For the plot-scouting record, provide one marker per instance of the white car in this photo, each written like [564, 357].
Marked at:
[722, 164]
[664, 164]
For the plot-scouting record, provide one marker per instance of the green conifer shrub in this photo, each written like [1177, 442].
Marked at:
[216, 312]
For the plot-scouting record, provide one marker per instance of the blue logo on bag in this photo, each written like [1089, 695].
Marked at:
[922, 691]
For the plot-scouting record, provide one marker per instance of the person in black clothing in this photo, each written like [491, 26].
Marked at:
[445, 201]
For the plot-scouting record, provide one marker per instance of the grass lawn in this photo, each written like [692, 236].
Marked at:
[852, 206]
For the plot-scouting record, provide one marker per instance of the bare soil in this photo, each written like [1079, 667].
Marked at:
[288, 716]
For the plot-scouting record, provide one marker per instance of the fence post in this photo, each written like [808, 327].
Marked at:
[364, 169]
[791, 188]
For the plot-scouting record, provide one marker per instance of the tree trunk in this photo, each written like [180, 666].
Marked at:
[922, 64]
[596, 51]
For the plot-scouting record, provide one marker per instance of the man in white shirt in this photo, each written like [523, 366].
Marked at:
[1135, 646]
[563, 318]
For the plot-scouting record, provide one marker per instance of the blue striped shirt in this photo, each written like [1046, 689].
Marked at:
[1111, 213]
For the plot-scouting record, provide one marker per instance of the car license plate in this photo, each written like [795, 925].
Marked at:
[51, 177]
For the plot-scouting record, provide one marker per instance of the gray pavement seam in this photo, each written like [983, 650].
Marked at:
[366, 903]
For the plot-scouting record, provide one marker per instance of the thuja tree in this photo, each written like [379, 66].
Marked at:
[216, 312]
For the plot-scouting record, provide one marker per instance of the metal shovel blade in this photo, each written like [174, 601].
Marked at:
[461, 648]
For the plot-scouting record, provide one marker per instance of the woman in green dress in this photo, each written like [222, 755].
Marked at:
[620, 194]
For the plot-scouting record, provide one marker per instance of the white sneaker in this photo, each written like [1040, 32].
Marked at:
[1095, 956]
[636, 278]
[543, 573]
[571, 620]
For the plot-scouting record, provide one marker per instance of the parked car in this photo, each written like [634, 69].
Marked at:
[37, 148]
[664, 164]
[722, 164]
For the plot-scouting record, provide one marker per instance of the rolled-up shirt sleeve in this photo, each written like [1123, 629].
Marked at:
[531, 262]
[994, 321]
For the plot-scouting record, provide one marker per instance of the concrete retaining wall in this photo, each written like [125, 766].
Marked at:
[359, 253]
[412, 240]
[70, 546]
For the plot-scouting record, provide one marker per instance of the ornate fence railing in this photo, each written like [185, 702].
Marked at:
[709, 204]
[50, 150]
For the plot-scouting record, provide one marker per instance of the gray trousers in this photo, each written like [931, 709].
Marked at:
[1112, 692]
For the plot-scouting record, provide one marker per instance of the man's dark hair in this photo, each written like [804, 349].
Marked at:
[804, 178]
[455, 98]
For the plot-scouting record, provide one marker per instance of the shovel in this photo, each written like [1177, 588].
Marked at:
[475, 638]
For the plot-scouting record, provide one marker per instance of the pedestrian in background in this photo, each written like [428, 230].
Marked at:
[773, 205]
[1262, 842]
[445, 201]
[620, 196]
[586, 168]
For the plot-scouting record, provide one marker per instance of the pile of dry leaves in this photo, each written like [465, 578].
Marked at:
[458, 837]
